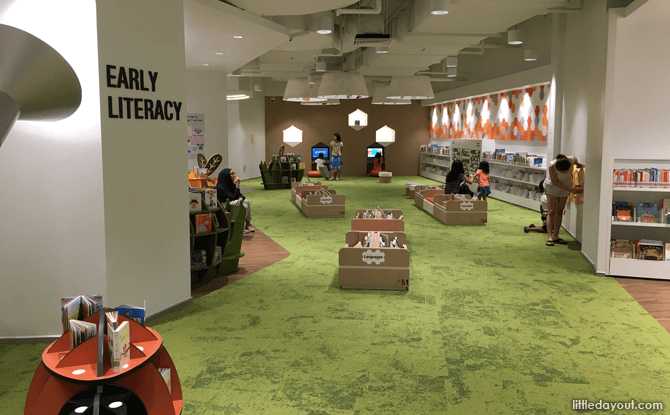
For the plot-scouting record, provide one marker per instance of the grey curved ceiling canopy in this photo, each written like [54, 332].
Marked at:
[36, 82]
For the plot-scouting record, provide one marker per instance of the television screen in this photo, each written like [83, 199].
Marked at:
[372, 152]
[320, 150]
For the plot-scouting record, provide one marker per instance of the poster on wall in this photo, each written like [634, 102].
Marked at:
[196, 135]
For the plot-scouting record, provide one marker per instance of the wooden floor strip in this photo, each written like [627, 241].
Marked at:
[259, 252]
[652, 295]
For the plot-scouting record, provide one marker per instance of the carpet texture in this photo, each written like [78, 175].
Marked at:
[494, 322]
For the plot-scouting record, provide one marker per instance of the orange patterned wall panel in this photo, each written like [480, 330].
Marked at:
[487, 116]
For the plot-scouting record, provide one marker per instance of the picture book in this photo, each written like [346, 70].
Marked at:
[667, 251]
[622, 248]
[217, 255]
[80, 331]
[165, 374]
[647, 212]
[203, 223]
[79, 308]
[210, 198]
[194, 202]
[622, 212]
[665, 209]
[651, 250]
[132, 312]
[118, 341]
[199, 259]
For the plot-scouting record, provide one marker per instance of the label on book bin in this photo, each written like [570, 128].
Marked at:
[467, 206]
[326, 200]
[377, 257]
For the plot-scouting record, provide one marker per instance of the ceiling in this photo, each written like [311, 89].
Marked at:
[280, 40]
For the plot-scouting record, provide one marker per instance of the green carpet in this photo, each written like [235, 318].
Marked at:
[494, 322]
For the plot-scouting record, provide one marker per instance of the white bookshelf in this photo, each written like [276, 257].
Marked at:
[637, 268]
[433, 176]
[534, 184]
[523, 166]
[527, 184]
[434, 160]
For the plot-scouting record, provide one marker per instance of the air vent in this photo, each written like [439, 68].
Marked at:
[372, 40]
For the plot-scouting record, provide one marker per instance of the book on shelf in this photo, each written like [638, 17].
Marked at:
[665, 210]
[131, 312]
[622, 211]
[218, 255]
[210, 198]
[165, 374]
[650, 250]
[80, 307]
[647, 212]
[194, 204]
[118, 341]
[667, 251]
[622, 248]
[645, 178]
[203, 223]
[80, 331]
[199, 259]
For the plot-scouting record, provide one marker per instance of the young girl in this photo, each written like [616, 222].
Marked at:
[336, 156]
[543, 213]
[482, 175]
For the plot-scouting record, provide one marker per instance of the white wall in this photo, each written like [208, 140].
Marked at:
[52, 238]
[583, 63]
[144, 161]
[246, 118]
[640, 121]
[206, 94]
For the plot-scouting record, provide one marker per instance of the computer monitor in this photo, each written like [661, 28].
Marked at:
[372, 152]
[320, 150]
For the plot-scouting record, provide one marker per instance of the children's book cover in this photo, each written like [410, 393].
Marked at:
[194, 202]
[203, 223]
[647, 212]
[622, 211]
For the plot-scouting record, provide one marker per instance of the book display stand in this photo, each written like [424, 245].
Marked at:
[360, 223]
[317, 201]
[74, 381]
[226, 235]
[451, 212]
[372, 266]
[280, 174]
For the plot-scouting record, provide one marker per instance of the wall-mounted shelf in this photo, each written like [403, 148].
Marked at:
[517, 200]
[435, 177]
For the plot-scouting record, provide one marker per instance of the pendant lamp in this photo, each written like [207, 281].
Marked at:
[379, 98]
[410, 87]
[300, 90]
[343, 85]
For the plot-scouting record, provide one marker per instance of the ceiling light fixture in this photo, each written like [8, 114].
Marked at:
[452, 72]
[325, 24]
[205, 64]
[379, 98]
[451, 61]
[530, 55]
[300, 90]
[515, 37]
[439, 7]
[321, 66]
[237, 37]
[382, 49]
[236, 95]
[328, 102]
[257, 88]
[343, 85]
[410, 87]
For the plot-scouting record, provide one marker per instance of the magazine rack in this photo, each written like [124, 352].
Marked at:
[63, 372]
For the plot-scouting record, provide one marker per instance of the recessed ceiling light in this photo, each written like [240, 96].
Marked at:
[515, 37]
[205, 64]
[382, 49]
[530, 55]
[439, 7]
[218, 53]
[237, 37]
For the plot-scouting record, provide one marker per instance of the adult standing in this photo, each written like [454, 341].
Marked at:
[558, 186]
[336, 156]
[228, 187]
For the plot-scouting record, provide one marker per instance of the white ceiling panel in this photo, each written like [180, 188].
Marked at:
[292, 7]
[209, 27]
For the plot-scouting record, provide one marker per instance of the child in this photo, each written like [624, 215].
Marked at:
[543, 213]
[322, 167]
[482, 176]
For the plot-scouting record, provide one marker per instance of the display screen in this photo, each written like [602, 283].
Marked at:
[372, 152]
[320, 150]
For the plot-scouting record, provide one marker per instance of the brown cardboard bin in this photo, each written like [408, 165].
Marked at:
[321, 206]
[457, 212]
[409, 191]
[297, 187]
[360, 224]
[383, 179]
[374, 268]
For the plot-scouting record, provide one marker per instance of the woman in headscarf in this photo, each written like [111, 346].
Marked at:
[228, 187]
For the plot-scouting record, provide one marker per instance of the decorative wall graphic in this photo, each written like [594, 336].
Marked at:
[36, 82]
[196, 135]
[517, 114]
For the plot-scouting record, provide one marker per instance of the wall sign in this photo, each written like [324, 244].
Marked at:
[138, 108]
